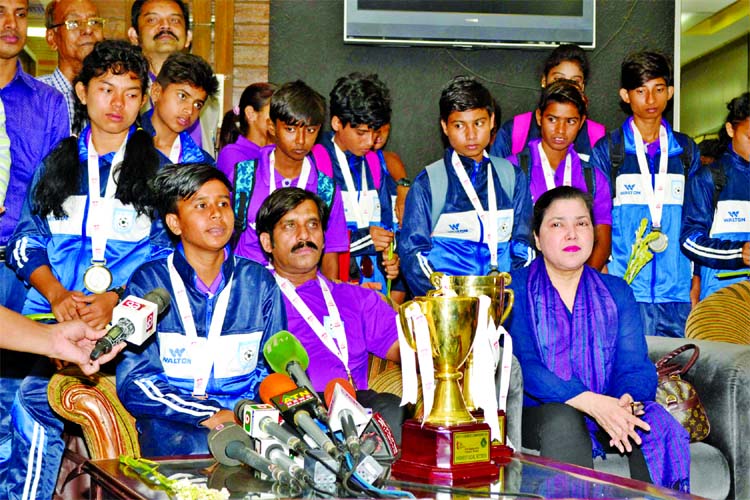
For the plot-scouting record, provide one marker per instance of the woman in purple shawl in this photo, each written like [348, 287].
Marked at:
[588, 382]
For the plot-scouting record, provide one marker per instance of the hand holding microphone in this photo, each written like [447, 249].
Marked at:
[134, 320]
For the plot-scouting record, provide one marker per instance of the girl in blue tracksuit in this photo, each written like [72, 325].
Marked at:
[716, 217]
[85, 227]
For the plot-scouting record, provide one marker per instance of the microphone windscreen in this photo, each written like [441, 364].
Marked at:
[240, 406]
[273, 385]
[160, 297]
[281, 349]
[221, 436]
[331, 386]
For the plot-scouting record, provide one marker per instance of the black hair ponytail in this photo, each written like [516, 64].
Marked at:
[61, 178]
[140, 163]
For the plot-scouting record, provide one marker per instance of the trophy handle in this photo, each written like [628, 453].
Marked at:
[436, 279]
[408, 335]
[508, 304]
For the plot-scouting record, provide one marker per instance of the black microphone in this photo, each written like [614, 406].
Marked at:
[296, 405]
[276, 454]
[245, 411]
[230, 446]
[134, 319]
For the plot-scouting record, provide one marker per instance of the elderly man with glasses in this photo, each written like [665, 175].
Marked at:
[73, 27]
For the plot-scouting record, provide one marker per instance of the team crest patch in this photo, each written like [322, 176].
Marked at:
[677, 188]
[123, 220]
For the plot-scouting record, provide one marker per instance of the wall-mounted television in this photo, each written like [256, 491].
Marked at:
[470, 23]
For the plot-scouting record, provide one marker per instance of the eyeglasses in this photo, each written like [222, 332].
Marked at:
[74, 24]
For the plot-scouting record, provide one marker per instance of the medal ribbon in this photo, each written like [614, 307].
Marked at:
[549, 174]
[358, 201]
[654, 194]
[335, 340]
[100, 209]
[202, 352]
[489, 221]
[301, 180]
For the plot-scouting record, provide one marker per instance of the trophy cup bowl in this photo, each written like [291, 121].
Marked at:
[449, 446]
[493, 286]
[452, 323]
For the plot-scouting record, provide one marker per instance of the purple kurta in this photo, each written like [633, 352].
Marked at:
[538, 186]
[369, 322]
[595, 347]
[231, 154]
[336, 236]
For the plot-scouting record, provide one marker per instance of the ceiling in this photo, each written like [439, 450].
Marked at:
[710, 24]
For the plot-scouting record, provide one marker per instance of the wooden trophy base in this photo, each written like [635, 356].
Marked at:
[500, 453]
[456, 455]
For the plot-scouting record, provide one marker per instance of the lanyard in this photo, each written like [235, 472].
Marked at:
[301, 180]
[202, 351]
[358, 201]
[654, 194]
[176, 151]
[335, 337]
[489, 221]
[100, 212]
[549, 174]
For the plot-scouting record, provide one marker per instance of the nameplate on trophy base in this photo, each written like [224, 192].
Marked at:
[500, 453]
[455, 455]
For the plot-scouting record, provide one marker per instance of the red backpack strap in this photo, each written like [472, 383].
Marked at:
[373, 163]
[521, 125]
[322, 160]
[596, 131]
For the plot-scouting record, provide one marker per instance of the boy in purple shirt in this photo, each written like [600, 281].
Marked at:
[339, 324]
[297, 113]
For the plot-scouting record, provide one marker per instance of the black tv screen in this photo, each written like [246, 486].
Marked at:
[470, 23]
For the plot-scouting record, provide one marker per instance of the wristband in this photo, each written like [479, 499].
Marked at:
[119, 290]
[404, 182]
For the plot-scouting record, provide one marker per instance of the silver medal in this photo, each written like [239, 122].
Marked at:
[659, 244]
[97, 278]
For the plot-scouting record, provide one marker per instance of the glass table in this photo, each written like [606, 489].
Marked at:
[523, 477]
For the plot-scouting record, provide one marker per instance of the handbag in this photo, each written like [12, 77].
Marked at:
[678, 396]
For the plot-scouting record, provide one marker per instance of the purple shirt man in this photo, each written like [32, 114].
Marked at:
[369, 322]
[336, 236]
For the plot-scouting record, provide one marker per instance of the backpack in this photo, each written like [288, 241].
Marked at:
[522, 125]
[588, 173]
[719, 176]
[438, 177]
[617, 156]
[244, 182]
[323, 162]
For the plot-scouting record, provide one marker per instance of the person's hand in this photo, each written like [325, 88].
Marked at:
[220, 417]
[381, 238]
[96, 310]
[390, 265]
[64, 306]
[372, 285]
[614, 416]
[73, 341]
[746, 253]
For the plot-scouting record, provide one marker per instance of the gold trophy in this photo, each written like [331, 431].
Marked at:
[450, 446]
[494, 286]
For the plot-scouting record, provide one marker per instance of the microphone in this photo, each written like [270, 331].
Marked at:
[378, 437]
[230, 446]
[134, 319]
[295, 404]
[345, 413]
[276, 454]
[286, 354]
[258, 421]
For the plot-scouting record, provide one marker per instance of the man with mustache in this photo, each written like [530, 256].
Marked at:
[33, 118]
[161, 28]
[339, 324]
[73, 27]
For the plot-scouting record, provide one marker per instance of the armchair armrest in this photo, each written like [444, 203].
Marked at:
[91, 402]
[721, 377]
